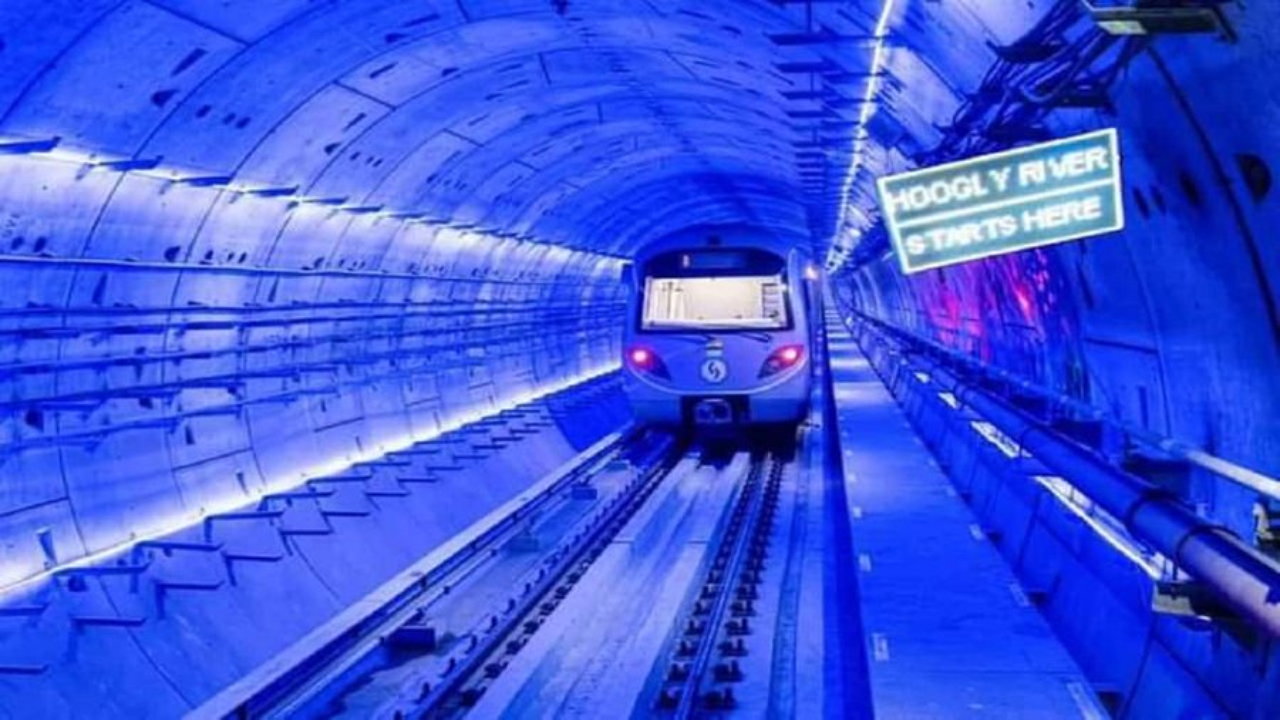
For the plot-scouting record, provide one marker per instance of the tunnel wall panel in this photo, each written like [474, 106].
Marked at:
[173, 57]
[201, 616]
[1098, 599]
[219, 341]
[1123, 321]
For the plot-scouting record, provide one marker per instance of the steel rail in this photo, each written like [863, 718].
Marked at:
[286, 691]
[463, 683]
[740, 533]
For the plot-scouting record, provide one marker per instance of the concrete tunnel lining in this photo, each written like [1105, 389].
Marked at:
[175, 340]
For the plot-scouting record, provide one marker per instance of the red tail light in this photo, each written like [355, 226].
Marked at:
[784, 357]
[645, 360]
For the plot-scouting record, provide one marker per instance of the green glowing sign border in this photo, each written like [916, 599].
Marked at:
[1012, 159]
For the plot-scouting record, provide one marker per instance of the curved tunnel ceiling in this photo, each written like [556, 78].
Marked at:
[520, 118]
[257, 237]
[222, 147]
[249, 243]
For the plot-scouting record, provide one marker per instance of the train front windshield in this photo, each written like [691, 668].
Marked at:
[739, 289]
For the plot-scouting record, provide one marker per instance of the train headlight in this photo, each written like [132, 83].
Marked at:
[784, 357]
[645, 360]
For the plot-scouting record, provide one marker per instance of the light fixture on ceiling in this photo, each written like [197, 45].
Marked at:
[1154, 17]
[868, 106]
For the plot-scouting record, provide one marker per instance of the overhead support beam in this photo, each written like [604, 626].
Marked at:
[1025, 52]
[821, 143]
[28, 147]
[808, 94]
[846, 77]
[810, 114]
[129, 164]
[844, 103]
[839, 125]
[206, 180]
[333, 201]
[273, 192]
[804, 67]
[821, 37]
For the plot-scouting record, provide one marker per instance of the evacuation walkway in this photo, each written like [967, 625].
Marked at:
[949, 632]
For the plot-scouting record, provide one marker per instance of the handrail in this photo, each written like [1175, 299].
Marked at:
[1246, 477]
[1235, 572]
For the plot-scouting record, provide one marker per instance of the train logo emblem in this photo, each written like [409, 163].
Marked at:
[714, 370]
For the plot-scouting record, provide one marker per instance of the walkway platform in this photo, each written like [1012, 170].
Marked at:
[949, 632]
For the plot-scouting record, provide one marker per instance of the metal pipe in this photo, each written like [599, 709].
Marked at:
[1239, 575]
[1238, 474]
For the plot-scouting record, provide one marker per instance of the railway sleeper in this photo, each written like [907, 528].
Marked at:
[720, 699]
[471, 696]
[727, 672]
[669, 698]
[733, 648]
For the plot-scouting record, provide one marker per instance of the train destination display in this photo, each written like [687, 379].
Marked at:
[993, 204]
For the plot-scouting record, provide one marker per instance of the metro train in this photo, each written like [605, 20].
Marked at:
[720, 332]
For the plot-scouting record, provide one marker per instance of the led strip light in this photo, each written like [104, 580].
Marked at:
[182, 521]
[861, 131]
[230, 184]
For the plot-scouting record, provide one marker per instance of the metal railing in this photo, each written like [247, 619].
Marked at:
[1259, 482]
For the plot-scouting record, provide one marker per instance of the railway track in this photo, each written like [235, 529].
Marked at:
[703, 659]
[398, 628]
[439, 653]
[493, 646]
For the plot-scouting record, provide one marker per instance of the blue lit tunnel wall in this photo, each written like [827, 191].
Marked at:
[245, 243]
[272, 238]
[240, 241]
[1170, 324]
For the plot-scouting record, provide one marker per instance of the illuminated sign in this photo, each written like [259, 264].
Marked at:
[1039, 195]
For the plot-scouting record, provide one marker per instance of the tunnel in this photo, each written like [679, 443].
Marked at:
[317, 360]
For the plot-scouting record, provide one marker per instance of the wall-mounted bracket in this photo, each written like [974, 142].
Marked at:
[28, 147]
[1161, 17]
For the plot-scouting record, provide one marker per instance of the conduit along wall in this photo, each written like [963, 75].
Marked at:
[1164, 609]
